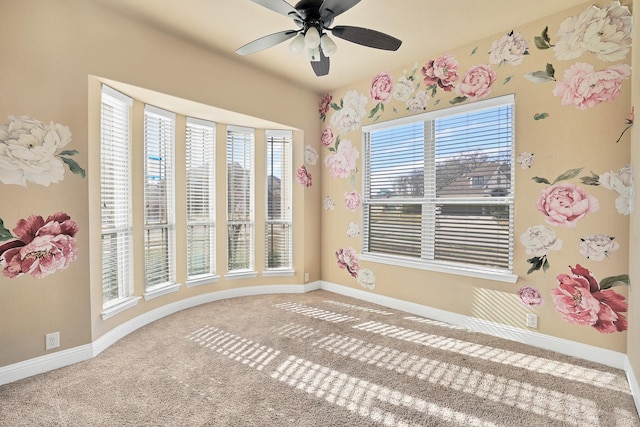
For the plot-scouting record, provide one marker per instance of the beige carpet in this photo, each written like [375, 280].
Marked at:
[318, 359]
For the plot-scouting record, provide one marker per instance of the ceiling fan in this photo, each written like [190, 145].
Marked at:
[313, 19]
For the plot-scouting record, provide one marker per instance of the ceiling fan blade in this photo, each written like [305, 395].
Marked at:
[279, 6]
[321, 68]
[266, 42]
[366, 37]
[333, 8]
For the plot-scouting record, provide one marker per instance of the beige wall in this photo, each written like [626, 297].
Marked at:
[59, 52]
[569, 138]
[633, 338]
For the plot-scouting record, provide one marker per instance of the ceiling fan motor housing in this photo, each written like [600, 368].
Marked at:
[309, 11]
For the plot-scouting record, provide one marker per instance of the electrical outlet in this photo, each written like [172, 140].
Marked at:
[532, 320]
[52, 340]
[306, 277]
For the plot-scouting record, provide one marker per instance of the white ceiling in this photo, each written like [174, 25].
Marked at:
[426, 27]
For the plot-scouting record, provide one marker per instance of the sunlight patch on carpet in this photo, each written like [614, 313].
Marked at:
[540, 365]
[359, 308]
[363, 397]
[295, 331]
[316, 313]
[234, 347]
[573, 410]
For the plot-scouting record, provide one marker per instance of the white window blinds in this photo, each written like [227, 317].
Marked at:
[115, 196]
[278, 224]
[200, 169]
[240, 199]
[474, 191]
[394, 190]
[440, 188]
[159, 223]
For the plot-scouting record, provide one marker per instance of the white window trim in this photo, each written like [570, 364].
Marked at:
[205, 279]
[238, 275]
[119, 306]
[122, 302]
[444, 112]
[442, 266]
[280, 271]
[171, 286]
[160, 290]
[250, 272]
[212, 277]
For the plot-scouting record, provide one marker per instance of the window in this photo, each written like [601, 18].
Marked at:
[115, 197]
[200, 171]
[438, 190]
[240, 199]
[159, 222]
[278, 224]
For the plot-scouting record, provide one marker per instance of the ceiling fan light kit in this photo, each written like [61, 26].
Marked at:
[327, 45]
[297, 45]
[314, 19]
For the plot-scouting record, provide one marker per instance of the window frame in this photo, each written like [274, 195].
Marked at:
[429, 199]
[118, 167]
[285, 138]
[201, 147]
[153, 290]
[249, 136]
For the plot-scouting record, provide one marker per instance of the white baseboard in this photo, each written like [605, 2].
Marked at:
[59, 359]
[633, 383]
[49, 362]
[571, 348]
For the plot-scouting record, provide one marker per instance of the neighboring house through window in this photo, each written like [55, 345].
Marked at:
[438, 190]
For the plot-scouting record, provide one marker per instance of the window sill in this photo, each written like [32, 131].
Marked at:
[160, 290]
[119, 306]
[282, 272]
[489, 274]
[237, 275]
[202, 280]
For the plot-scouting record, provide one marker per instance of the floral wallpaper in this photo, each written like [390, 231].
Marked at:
[583, 63]
[39, 247]
[31, 151]
[34, 152]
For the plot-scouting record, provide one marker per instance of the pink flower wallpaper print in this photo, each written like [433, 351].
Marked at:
[304, 177]
[530, 296]
[583, 87]
[441, 72]
[565, 203]
[324, 105]
[581, 300]
[40, 246]
[348, 260]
